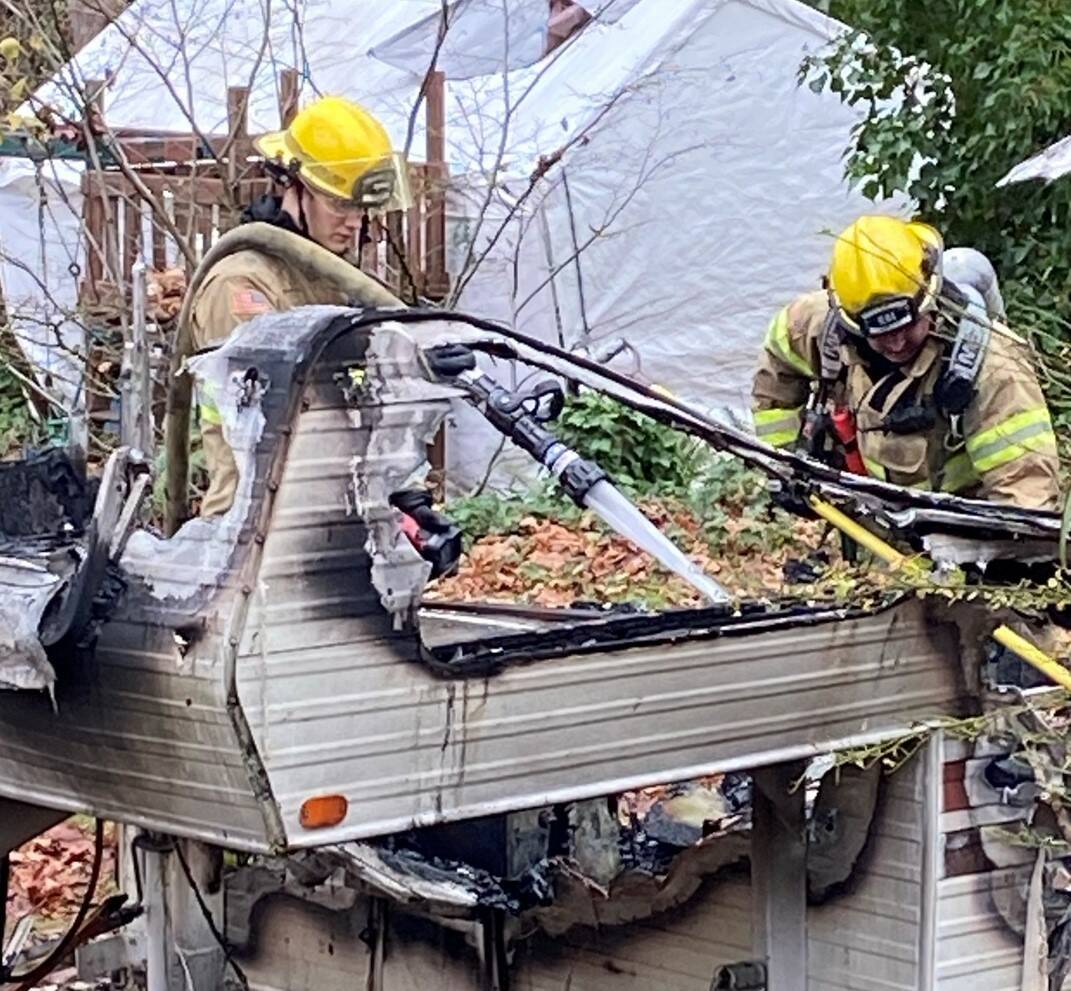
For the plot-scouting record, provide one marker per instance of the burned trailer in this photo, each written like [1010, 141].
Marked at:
[269, 681]
[934, 900]
[261, 661]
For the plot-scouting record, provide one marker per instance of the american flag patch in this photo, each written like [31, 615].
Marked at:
[249, 302]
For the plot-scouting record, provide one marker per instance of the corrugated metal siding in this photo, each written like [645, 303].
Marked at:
[868, 938]
[676, 951]
[138, 736]
[336, 706]
[141, 733]
[338, 703]
[976, 950]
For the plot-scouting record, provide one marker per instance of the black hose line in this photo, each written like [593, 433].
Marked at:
[782, 465]
[63, 947]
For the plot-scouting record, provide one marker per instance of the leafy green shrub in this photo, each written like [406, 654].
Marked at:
[19, 426]
[728, 483]
[638, 452]
[497, 512]
[951, 95]
[643, 457]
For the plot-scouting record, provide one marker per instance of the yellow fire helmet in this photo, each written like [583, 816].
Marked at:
[339, 149]
[886, 272]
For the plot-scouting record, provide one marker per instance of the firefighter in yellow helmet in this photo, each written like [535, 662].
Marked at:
[335, 163]
[901, 368]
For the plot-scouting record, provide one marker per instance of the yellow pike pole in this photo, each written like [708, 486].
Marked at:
[1004, 635]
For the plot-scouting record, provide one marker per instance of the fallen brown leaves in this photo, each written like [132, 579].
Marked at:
[49, 874]
[164, 292]
[636, 805]
[552, 563]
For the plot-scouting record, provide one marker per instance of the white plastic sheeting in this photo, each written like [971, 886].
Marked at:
[702, 201]
[483, 37]
[698, 189]
[169, 63]
[29, 588]
[40, 264]
[1050, 164]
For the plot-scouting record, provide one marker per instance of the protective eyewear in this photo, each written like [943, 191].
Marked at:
[888, 316]
[884, 317]
[333, 205]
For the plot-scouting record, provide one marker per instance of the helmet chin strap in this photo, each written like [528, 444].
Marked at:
[289, 181]
[302, 220]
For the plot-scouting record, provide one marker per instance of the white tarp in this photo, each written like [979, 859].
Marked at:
[703, 184]
[1050, 164]
[702, 201]
[169, 63]
[40, 265]
[483, 36]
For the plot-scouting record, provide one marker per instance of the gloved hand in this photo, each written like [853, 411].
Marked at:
[417, 504]
[449, 360]
[432, 520]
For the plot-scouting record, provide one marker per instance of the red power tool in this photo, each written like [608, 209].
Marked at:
[435, 538]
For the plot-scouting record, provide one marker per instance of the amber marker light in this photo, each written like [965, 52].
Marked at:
[323, 811]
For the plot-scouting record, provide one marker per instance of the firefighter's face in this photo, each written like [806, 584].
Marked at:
[332, 223]
[901, 346]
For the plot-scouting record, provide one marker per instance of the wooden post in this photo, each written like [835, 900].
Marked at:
[779, 874]
[105, 263]
[289, 85]
[238, 151]
[435, 282]
[237, 131]
[414, 234]
[93, 217]
[397, 261]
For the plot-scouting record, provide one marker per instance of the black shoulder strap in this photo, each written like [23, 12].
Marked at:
[832, 362]
[956, 387]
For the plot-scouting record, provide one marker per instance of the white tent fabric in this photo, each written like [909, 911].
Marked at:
[1050, 164]
[168, 63]
[696, 190]
[484, 36]
[40, 261]
[702, 201]
[168, 66]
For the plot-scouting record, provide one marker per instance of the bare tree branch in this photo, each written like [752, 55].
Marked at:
[546, 163]
[444, 27]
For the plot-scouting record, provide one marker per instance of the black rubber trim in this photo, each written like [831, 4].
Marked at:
[482, 657]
